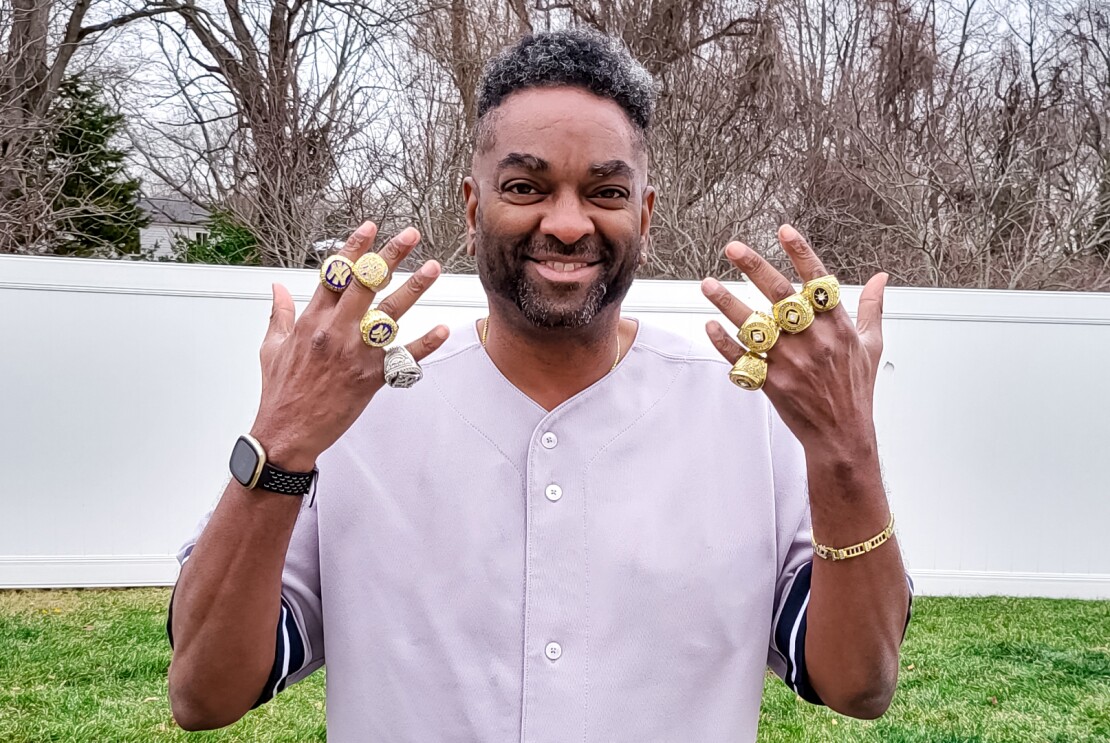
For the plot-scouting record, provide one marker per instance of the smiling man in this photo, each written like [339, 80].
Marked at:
[574, 527]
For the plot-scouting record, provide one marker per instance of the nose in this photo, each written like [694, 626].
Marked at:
[567, 221]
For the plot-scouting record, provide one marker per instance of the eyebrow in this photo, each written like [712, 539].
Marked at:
[611, 168]
[522, 160]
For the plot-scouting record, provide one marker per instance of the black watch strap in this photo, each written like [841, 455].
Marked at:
[286, 483]
[249, 466]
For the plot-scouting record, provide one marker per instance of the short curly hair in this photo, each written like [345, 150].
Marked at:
[576, 58]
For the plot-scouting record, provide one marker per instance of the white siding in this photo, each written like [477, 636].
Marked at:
[124, 384]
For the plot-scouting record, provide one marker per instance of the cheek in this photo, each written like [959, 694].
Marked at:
[498, 218]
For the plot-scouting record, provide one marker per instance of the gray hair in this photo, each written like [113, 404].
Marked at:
[575, 58]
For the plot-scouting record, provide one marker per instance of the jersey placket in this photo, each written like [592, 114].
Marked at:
[555, 629]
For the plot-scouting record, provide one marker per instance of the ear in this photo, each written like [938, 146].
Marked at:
[646, 210]
[470, 196]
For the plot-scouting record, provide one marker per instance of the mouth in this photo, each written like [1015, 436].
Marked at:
[565, 271]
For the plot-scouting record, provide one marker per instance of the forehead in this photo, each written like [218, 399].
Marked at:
[566, 126]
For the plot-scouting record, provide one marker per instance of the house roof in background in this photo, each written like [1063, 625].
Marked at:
[173, 211]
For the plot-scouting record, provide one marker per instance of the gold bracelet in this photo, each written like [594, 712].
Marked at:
[832, 553]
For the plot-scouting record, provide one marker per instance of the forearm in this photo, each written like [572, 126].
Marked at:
[226, 607]
[857, 607]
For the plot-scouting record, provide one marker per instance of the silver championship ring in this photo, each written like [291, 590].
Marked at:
[401, 369]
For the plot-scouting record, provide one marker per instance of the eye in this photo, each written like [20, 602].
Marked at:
[519, 188]
[611, 192]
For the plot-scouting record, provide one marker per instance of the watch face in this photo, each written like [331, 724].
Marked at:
[244, 462]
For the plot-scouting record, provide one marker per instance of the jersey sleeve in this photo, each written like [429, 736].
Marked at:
[786, 655]
[299, 641]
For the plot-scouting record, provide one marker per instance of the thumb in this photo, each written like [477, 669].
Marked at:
[869, 314]
[283, 314]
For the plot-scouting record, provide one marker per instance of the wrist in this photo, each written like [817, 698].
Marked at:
[288, 456]
[845, 474]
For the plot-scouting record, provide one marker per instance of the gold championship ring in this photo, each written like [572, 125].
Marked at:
[793, 314]
[823, 293]
[336, 273]
[377, 329]
[759, 332]
[750, 372]
[372, 271]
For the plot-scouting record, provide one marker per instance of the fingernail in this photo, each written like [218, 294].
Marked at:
[408, 236]
[441, 332]
[365, 228]
[734, 251]
[710, 285]
[431, 268]
[788, 233]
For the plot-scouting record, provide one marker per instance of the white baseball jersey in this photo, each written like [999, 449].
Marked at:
[621, 568]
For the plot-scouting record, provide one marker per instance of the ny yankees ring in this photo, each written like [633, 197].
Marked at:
[793, 314]
[372, 271]
[335, 273]
[759, 332]
[823, 293]
[377, 329]
[401, 369]
[750, 372]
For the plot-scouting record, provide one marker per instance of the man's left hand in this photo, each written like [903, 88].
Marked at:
[821, 380]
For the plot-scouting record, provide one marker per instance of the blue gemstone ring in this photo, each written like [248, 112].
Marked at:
[336, 273]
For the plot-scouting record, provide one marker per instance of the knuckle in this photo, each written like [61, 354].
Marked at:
[388, 306]
[416, 284]
[321, 339]
[392, 251]
[725, 300]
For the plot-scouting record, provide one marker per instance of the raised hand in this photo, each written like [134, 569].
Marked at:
[822, 379]
[317, 373]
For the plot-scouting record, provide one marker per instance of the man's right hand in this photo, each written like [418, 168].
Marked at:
[317, 377]
[317, 373]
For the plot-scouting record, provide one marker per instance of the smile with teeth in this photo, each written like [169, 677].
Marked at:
[556, 265]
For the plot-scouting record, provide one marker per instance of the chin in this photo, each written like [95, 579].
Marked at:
[548, 312]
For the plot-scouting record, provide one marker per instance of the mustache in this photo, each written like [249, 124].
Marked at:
[589, 249]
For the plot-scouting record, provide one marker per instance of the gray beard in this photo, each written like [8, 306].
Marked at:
[543, 315]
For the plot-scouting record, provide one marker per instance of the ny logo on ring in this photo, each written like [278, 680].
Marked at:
[381, 333]
[339, 274]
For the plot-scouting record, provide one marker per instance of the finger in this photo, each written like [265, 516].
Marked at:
[358, 243]
[723, 342]
[724, 300]
[770, 282]
[422, 347]
[869, 314]
[283, 314]
[356, 297]
[805, 261]
[402, 300]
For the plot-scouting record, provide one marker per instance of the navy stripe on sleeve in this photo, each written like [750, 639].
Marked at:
[289, 656]
[790, 635]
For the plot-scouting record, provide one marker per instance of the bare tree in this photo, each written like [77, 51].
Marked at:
[39, 42]
[277, 101]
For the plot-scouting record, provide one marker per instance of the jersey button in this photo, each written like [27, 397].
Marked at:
[553, 651]
[549, 440]
[553, 492]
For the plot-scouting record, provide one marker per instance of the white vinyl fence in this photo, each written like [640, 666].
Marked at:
[123, 386]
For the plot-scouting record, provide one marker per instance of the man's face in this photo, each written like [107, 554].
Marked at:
[558, 205]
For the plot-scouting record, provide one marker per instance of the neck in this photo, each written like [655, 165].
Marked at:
[553, 365]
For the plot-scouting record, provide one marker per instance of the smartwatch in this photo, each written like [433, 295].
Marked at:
[248, 466]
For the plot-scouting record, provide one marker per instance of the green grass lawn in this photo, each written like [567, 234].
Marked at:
[91, 666]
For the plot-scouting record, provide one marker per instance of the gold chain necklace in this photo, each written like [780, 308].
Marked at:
[485, 333]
